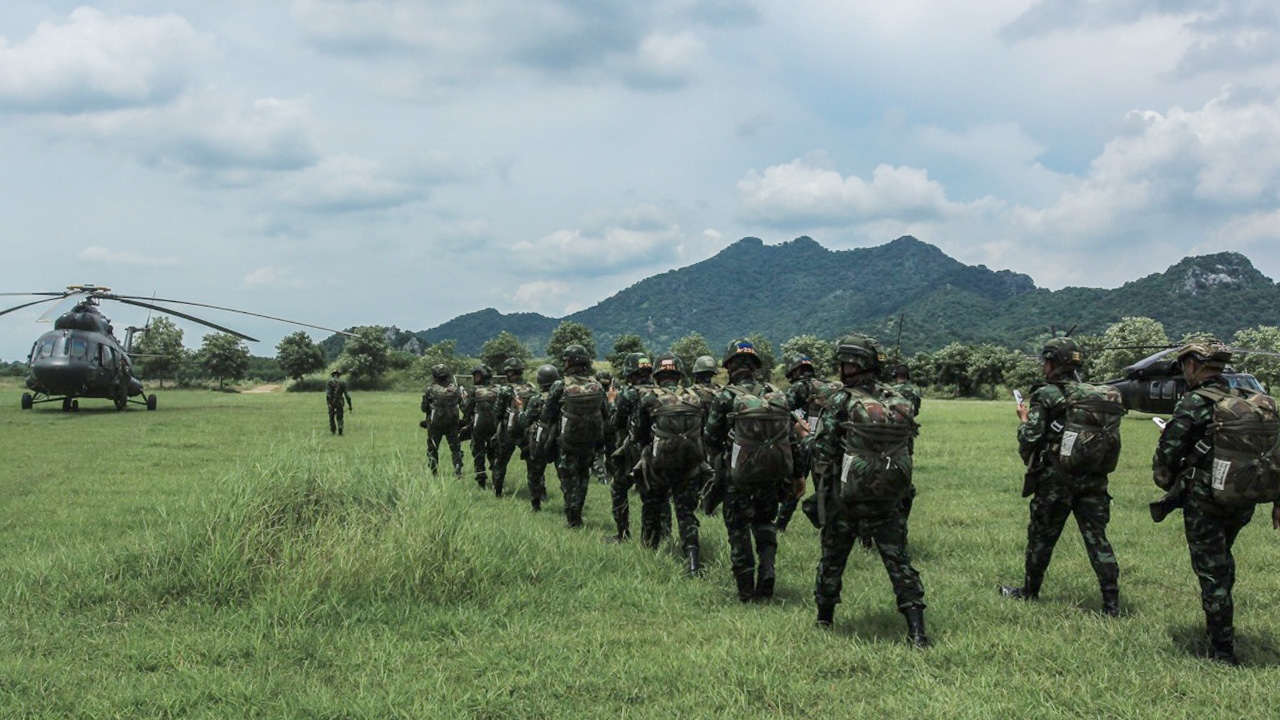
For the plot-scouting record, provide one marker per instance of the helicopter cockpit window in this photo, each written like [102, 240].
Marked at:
[78, 348]
[106, 357]
[46, 348]
[1248, 382]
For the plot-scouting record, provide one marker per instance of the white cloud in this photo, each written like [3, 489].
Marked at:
[95, 62]
[607, 243]
[347, 183]
[544, 296]
[98, 254]
[270, 278]
[805, 194]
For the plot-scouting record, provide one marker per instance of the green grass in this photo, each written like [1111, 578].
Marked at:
[226, 557]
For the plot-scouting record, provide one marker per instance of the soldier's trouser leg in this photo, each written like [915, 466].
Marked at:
[504, 450]
[891, 542]
[1093, 512]
[1211, 532]
[655, 497]
[619, 491]
[787, 508]
[333, 415]
[575, 473]
[480, 452]
[749, 516]
[455, 451]
[837, 537]
[684, 495]
[433, 449]
[535, 470]
[1049, 511]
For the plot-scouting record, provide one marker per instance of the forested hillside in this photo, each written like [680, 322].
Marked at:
[801, 287]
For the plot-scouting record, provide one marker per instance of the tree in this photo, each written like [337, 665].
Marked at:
[1264, 367]
[988, 364]
[951, 368]
[161, 343]
[764, 351]
[1025, 372]
[568, 333]
[366, 355]
[821, 352]
[1128, 341]
[690, 348]
[499, 349]
[298, 355]
[444, 353]
[225, 357]
[623, 346]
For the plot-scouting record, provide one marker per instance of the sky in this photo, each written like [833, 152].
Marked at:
[401, 162]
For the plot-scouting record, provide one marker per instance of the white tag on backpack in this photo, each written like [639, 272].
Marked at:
[733, 458]
[1220, 470]
[844, 469]
[1068, 442]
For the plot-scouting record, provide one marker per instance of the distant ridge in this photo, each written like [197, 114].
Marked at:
[802, 287]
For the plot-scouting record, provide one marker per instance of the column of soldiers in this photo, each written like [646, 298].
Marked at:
[749, 446]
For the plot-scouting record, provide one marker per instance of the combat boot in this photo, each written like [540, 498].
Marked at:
[497, 487]
[1222, 639]
[1111, 602]
[623, 535]
[573, 518]
[746, 586]
[693, 565]
[826, 614]
[915, 627]
[536, 502]
[765, 575]
[482, 479]
[1018, 593]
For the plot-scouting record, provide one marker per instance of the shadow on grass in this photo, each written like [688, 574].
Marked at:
[882, 625]
[1255, 648]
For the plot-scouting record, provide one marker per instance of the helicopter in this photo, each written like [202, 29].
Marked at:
[82, 358]
[1154, 384]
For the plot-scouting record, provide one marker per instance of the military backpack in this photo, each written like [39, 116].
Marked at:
[512, 427]
[484, 411]
[820, 394]
[581, 420]
[876, 434]
[1090, 427]
[677, 429]
[1246, 446]
[440, 402]
[761, 454]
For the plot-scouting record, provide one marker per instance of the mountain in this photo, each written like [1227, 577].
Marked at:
[802, 287]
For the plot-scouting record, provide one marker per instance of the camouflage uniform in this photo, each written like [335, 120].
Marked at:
[628, 454]
[482, 420]
[662, 486]
[749, 513]
[859, 359]
[1058, 495]
[334, 392]
[536, 457]
[604, 465]
[511, 431]
[799, 399]
[573, 462]
[1211, 527]
[439, 401]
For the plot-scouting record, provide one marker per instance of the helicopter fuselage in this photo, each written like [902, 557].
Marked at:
[81, 358]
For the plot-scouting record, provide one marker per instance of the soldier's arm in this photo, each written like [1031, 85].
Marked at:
[347, 395]
[1190, 417]
[824, 444]
[551, 407]
[1045, 405]
[717, 426]
[468, 407]
[642, 424]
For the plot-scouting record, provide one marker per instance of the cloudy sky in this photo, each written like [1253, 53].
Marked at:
[404, 161]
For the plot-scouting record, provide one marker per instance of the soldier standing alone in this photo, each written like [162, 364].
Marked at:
[335, 390]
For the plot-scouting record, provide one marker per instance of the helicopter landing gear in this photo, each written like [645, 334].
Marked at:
[70, 405]
[27, 401]
[151, 402]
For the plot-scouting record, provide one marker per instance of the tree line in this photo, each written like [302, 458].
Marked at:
[368, 357]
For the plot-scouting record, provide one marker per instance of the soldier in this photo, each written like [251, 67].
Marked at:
[668, 426]
[480, 416]
[637, 369]
[535, 452]
[602, 468]
[805, 397]
[861, 470]
[576, 409]
[1059, 484]
[749, 420]
[1195, 460]
[902, 385]
[334, 392]
[440, 402]
[511, 397]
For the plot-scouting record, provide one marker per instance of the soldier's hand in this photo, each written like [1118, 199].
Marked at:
[802, 429]
[517, 403]
[612, 394]
[1022, 412]
[799, 486]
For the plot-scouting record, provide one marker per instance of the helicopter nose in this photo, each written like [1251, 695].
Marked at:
[59, 375]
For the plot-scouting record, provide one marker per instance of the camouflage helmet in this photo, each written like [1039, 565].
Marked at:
[798, 363]
[483, 371]
[668, 364]
[1063, 352]
[605, 378]
[636, 363]
[512, 365]
[440, 371]
[744, 349]
[575, 354]
[1208, 351]
[861, 351]
[547, 374]
[705, 364]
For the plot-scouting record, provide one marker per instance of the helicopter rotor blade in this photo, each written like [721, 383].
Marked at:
[183, 315]
[242, 312]
[57, 297]
[1247, 351]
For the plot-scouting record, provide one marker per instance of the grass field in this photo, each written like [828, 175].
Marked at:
[226, 557]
